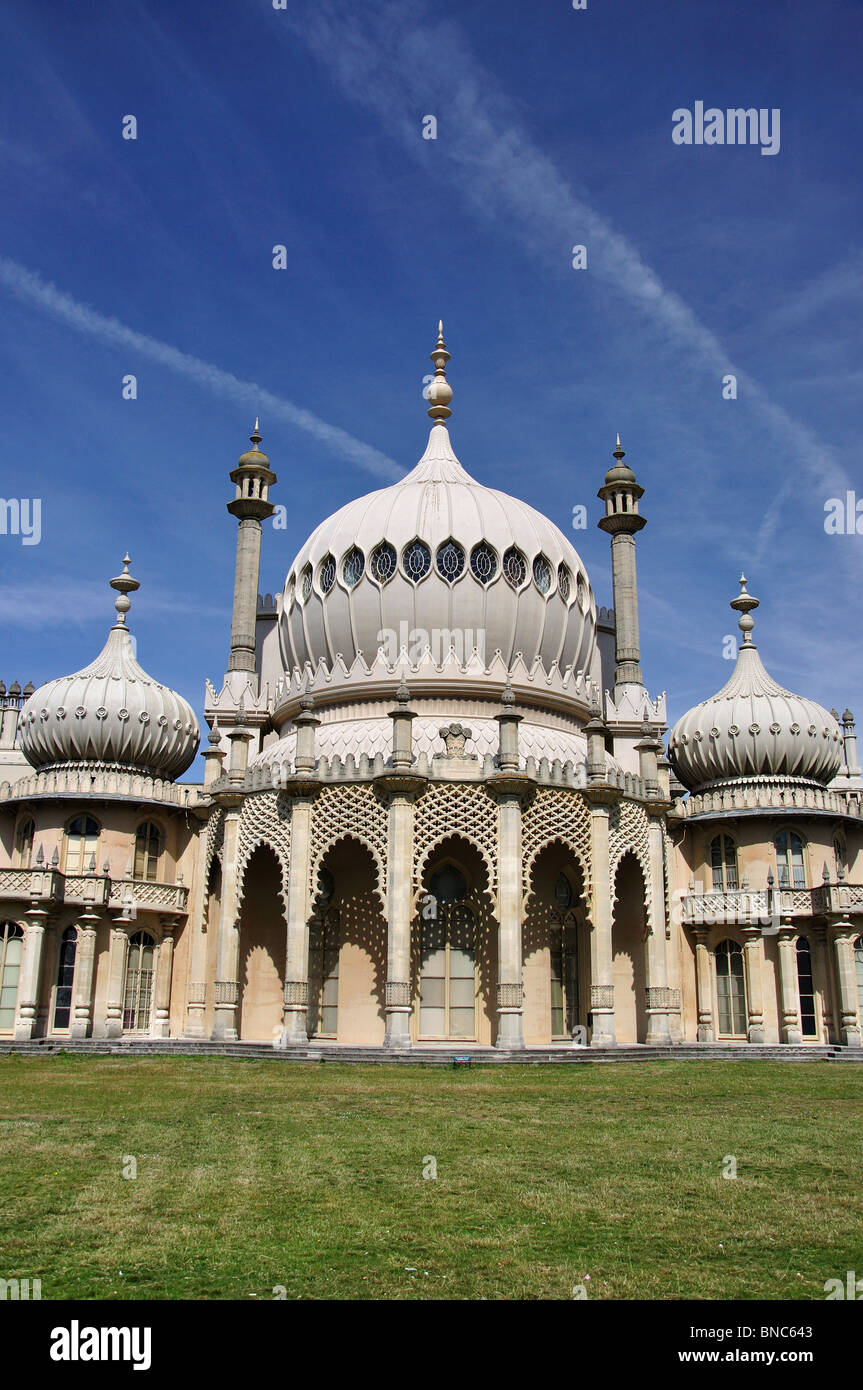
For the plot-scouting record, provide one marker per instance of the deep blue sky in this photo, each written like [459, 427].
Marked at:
[303, 127]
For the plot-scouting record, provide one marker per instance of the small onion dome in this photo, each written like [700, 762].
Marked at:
[111, 711]
[254, 457]
[753, 727]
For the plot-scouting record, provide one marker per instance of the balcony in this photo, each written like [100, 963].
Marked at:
[758, 907]
[49, 886]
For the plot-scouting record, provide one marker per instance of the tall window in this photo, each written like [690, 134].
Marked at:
[24, 843]
[723, 861]
[730, 990]
[858, 963]
[65, 978]
[448, 961]
[82, 842]
[138, 994]
[838, 856]
[789, 859]
[324, 974]
[564, 974]
[11, 950]
[808, 1026]
[148, 846]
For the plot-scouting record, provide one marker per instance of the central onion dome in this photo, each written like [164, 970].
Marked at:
[753, 728]
[111, 712]
[437, 554]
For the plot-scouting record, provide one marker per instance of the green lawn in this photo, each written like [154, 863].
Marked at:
[252, 1175]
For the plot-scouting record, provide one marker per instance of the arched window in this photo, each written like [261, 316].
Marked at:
[11, 951]
[789, 860]
[65, 978]
[324, 945]
[416, 559]
[839, 864]
[448, 961]
[808, 1026]
[514, 567]
[138, 993]
[450, 561]
[383, 562]
[563, 583]
[564, 973]
[148, 847]
[730, 990]
[82, 842]
[542, 574]
[858, 964]
[483, 562]
[723, 862]
[24, 843]
[352, 570]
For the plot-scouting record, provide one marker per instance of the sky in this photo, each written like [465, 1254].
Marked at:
[302, 127]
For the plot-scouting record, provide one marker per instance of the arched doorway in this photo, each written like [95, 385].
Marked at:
[11, 952]
[454, 949]
[138, 990]
[629, 948]
[62, 1011]
[263, 948]
[555, 950]
[731, 1012]
[806, 989]
[347, 948]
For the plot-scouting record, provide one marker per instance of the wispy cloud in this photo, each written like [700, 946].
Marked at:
[33, 289]
[388, 57]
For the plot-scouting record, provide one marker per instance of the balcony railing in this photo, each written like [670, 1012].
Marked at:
[769, 905]
[92, 890]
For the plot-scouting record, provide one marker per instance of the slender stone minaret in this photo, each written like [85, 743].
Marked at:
[622, 519]
[253, 478]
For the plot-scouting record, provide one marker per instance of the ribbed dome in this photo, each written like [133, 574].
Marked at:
[753, 727]
[111, 711]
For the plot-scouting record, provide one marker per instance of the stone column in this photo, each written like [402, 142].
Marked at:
[753, 959]
[85, 961]
[399, 909]
[162, 1024]
[601, 960]
[196, 988]
[788, 988]
[843, 947]
[658, 1030]
[31, 973]
[227, 991]
[704, 986]
[296, 998]
[823, 980]
[510, 992]
[116, 976]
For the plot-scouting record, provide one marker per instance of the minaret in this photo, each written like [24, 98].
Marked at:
[253, 477]
[620, 494]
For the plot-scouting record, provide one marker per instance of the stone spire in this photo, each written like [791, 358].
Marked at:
[440, 391]
[125, 585]
[621, 494]
[253, 478]
[744, 605]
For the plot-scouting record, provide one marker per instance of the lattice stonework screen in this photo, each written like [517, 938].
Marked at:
[556, 816]
[628, 832]
[351, 809]
[265, 820]
[453, 808]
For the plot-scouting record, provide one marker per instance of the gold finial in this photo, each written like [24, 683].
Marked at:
[744, 604]
[439, 391]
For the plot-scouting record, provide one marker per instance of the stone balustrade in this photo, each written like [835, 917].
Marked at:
[770, 905]
[105, 783]
[767, 794]
[96, 890]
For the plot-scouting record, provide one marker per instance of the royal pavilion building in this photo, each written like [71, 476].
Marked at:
[437, 811]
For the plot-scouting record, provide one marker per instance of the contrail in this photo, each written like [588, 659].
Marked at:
[29, 286]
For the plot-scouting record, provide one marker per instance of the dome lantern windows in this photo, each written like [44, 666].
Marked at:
[327, 574]
[483, 562]
[514, 567]
[563, 582]
[383, 562]
[450, 561]
[416, 559]
[306, 582]
[354, 565]
[542, 574]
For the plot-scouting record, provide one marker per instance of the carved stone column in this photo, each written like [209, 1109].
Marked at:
[789, 993]
[843, 947]
[753, 961]
[85, 961]
[162, 1024]
[116, 976]
[601, 958]
[31, 973]
[295, 1031]
[227, 988]
[510, 789]
[402, 790]
[658, 1000]
[704, 986]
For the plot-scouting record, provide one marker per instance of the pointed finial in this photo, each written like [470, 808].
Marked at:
[403, 694]
[215, 734]
[507, 694]
[439, 391]
[125, 585]
[618, 452]
[743, 604]
[825, 872]
[40, 856]
[255, 437]
[55, 858]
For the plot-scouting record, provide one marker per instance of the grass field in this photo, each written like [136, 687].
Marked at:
[254, 1175]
